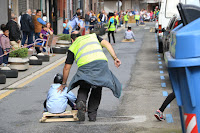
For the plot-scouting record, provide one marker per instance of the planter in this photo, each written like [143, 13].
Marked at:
[35, 62]
[60, 50]
[2, 78]
[13, 73]
[44, 58]
[18, 63]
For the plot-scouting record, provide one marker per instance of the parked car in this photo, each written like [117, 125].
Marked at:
[167, 10]
[173, 23]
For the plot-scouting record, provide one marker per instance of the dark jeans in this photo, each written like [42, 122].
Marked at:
[69, 102]
[168, 100]
[1, 53]
[30, 37]
[94, 99]
[137, 22]
[126, 22]
[113, 36]
[37, 35]
[5, 57]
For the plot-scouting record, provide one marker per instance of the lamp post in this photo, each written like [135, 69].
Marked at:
[118, 5]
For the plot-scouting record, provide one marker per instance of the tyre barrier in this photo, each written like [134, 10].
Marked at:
[13, 73]
[35, 62]
[60, 50]
[44, 58]
[2, 78]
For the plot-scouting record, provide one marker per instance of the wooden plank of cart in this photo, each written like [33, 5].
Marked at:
[70, 115]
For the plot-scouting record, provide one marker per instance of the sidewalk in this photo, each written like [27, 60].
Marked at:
[31, 70]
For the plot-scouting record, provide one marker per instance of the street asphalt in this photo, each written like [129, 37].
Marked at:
[133, 112]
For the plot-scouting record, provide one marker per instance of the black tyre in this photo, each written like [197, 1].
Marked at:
[44, 58]
[13, 73]
[35, 62]
[60, 50]
[2, 78]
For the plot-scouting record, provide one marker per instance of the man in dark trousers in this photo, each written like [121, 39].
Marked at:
[27, 27]
[14, 32]
[92, 74]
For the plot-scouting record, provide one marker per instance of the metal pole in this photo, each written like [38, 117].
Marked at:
[118, 5]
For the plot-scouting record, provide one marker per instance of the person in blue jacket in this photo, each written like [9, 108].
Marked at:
[57, 102]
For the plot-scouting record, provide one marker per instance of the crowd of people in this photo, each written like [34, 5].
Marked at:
[18, 29]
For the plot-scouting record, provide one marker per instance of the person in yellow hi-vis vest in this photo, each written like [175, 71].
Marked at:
[126, 19]
[112, 27]
[137, 19]
[92, 74]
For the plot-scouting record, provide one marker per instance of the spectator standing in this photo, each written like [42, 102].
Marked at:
[151, 15]
[19, 19]
[87, 20]
[44, 17]
[14, 32]
[27, 27]
[5, 44]
[93, 21]
[33, 14]
[66, 28]
[38, 22]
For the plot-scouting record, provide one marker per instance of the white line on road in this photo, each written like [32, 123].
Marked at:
[134, 119]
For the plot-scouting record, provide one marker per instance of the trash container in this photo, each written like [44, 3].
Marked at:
[183, 62]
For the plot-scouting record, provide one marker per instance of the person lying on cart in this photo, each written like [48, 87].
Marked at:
[56, 103]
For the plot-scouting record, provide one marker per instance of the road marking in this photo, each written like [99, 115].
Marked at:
[33, 76]
[168, 106]
[165, 94]
[169, 118]
[160, 67]
[162, 77]
[159, 58]
[6, 93]
[161, 72]
[163, 85]
[158, 55]
[160, 62]
[132, 119]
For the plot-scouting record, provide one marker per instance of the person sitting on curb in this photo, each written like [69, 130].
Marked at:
[129, 34]
[57, 102]
[92, 74]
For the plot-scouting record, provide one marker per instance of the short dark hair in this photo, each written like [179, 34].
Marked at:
[43, 26]
[4, 27]
[38, 10]
[78, 9]
[129, 28]
[78, 14]
[74, 36]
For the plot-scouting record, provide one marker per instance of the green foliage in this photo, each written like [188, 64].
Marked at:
[64, 37]
[22, 53]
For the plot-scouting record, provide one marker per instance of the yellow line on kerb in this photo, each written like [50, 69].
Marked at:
[6, 94]
[39, 75]
[30, 80]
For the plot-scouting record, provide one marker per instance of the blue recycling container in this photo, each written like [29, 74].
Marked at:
[183, 62]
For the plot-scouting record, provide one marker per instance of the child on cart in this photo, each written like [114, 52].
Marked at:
[57, 102]
[129, 34]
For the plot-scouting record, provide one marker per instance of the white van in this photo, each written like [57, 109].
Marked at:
[167, 10]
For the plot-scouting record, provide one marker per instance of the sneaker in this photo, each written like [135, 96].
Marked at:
[81, 110]
[159, 115]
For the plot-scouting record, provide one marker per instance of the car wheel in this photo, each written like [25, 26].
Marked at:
[13, 73]
[2, 78]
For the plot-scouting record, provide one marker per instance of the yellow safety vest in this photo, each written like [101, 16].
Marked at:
[87, 49]
[117, 18]
[137, 17]
[112, 26]
[126, 17]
